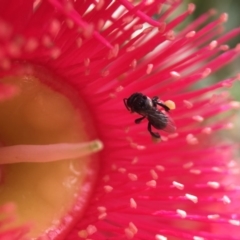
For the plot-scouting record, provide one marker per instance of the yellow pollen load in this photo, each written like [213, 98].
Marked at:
[170, 104]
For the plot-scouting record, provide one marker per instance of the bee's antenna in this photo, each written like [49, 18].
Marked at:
[125, 103]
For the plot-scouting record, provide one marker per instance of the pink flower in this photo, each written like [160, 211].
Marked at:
[185, 187]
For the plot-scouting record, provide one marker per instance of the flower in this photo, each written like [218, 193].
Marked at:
[185, 187]
[7, 212]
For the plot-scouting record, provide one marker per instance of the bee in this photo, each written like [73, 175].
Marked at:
[147, 107]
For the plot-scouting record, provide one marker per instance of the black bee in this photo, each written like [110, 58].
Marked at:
[147, 107]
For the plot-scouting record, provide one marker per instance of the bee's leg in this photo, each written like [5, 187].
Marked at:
[154, 134]
[166, 108]
[155, 101]
[138, 120]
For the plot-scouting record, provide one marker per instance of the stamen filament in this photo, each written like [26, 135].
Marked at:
[48, 153]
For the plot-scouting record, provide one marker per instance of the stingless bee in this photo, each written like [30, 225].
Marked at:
[147, 107]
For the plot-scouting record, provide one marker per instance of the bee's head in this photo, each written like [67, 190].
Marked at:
[137, 102]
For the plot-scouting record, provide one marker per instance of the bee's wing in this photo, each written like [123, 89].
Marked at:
[170, 128]
[158, 116]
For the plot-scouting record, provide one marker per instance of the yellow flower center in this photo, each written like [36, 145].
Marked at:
[32, 123]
